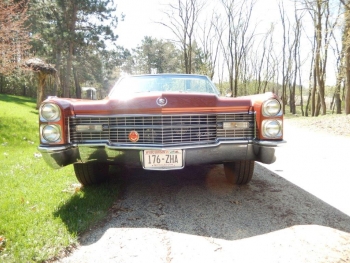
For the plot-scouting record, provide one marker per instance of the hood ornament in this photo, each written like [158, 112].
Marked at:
[162, 101]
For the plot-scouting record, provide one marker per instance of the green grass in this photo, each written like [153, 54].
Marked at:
[42, 211]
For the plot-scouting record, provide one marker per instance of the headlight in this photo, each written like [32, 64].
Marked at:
[50, 112]
[272, 129]
[51, 133]
[271, 108]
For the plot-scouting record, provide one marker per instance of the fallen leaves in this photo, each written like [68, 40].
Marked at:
[336, 124]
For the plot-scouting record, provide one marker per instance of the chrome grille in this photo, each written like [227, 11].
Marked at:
[162, 129]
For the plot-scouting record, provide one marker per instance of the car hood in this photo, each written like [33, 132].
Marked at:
[158, 103]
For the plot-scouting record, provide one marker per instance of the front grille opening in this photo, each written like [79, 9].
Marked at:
[163, 129]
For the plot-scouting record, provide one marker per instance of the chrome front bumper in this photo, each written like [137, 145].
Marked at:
[261, 151]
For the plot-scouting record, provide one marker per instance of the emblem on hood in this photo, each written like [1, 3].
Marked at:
[161, 101]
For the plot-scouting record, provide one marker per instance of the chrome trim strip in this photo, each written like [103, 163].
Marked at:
[157, 114]
[68, 129]
[255, 126]
[52, 149]
[175, 147]
[269, 143]
[115, 127]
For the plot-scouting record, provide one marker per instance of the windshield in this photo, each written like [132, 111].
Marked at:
[164, 83]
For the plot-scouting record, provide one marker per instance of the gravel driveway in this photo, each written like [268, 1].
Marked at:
[296, 210]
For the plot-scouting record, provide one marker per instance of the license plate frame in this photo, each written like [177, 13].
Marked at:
[163, 159]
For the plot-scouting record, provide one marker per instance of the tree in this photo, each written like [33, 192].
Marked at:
[14, 36]
[183, 17]
[263, 64]
[156, 55]
[339, 55]
[286, 54]
[321, 15]
[238, 40]
[297, 62]
[68, 27]
[210, 39]
[346, 43]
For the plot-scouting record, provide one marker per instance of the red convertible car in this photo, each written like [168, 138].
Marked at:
[161, 122]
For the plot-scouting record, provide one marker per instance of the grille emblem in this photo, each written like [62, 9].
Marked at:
[134, 136]
[161, 101]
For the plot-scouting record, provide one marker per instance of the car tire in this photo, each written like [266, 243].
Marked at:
[239, 172]
[91, 173]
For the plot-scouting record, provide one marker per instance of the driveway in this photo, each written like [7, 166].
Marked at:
[296, 210]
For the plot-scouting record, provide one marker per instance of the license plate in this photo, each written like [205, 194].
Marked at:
[162, 159]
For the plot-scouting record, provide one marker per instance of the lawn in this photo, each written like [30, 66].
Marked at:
[42, 210]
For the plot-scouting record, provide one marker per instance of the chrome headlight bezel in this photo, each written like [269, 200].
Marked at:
[272, 108]
[50, 133]
[50, 112]
[272, 129]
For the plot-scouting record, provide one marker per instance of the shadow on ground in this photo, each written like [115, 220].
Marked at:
[198, 201]
[19, 100]
[88, 206]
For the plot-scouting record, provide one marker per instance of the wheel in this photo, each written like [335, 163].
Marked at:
[239, 172]
[91, 173]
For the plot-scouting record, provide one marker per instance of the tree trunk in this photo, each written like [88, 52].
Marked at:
[347, 89]
[236, 83]
[313, 95]
[301, 101]
[301, 87]
[308, 103]
[77, 85]
[318, 104]
[71, 30]
[185, 58]
[68, 71]
[231, 85]
[292, 98]
[189, 55]
[1, 83]
[336, 103]
[58, 74]
[346, 39]
[321, 62]
[41, 89]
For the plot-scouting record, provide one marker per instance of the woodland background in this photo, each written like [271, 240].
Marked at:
[76, 43]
